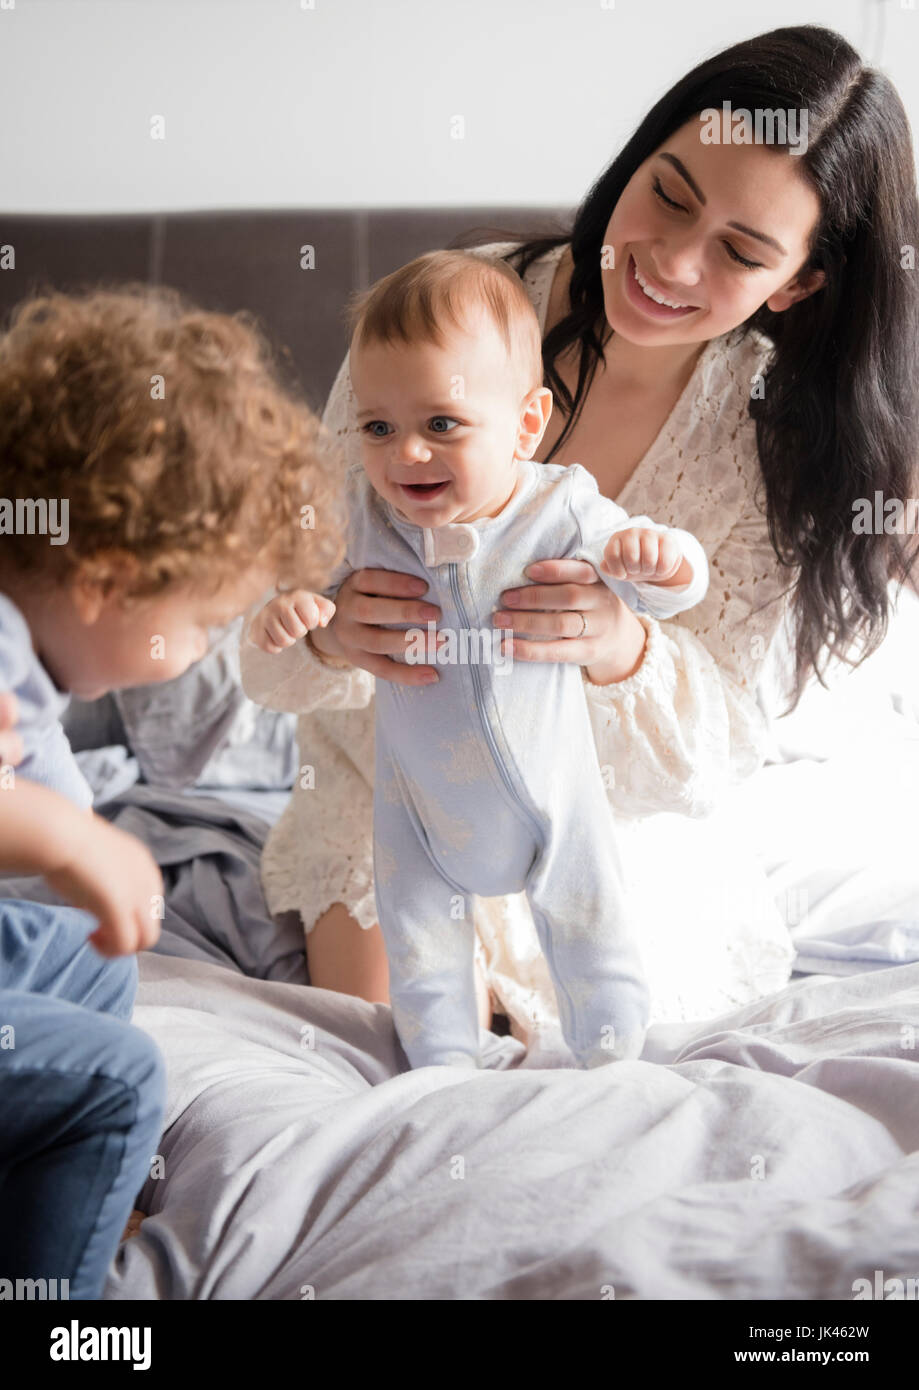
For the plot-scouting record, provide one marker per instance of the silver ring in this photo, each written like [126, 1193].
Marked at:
[583, 625]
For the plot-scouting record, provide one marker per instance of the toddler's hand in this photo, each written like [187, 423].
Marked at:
[641, 555]
[288, 618]
[10, 742]
[115, 877]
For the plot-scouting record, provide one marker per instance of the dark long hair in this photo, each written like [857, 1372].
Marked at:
[837, 419]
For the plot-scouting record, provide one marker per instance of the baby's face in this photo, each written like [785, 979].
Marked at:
[443, 428]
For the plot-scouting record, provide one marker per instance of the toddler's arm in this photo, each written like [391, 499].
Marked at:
[90, 863]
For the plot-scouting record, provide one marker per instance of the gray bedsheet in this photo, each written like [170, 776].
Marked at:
[208, 848]
[772, 1153]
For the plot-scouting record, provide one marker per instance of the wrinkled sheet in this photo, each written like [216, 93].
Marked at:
[771, 1153]
[208, 846]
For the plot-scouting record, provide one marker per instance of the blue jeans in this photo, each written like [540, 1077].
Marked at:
[82, 1095]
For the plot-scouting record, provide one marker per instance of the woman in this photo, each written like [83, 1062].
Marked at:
[731, 342]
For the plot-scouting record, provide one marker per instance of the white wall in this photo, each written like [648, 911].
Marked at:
[268, 103]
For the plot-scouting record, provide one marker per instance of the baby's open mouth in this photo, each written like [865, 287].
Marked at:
[424, 489]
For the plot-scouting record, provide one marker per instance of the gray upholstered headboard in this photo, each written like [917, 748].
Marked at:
[250, 260]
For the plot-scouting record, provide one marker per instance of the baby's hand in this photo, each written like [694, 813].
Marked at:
[288, 618]
[645, 556]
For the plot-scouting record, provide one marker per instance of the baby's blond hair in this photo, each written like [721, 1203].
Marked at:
[413, 304]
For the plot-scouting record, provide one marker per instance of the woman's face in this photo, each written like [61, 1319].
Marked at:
[716, 229]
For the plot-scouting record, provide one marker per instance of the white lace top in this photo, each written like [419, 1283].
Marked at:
[677, 732]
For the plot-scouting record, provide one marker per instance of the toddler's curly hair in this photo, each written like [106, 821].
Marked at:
[169, 432]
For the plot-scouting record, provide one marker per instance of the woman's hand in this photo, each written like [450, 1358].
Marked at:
[368, 598]
[608, 640]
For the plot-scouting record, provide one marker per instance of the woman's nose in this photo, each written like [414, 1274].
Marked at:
[677, 263]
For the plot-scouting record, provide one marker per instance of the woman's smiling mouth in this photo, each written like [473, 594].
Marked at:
[644, 296]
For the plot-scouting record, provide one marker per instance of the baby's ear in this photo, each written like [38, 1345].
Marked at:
[99, 579]
[534, 417]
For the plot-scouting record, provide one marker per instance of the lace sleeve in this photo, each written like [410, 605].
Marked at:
[297, 680]
[689, 718]
[340, 416]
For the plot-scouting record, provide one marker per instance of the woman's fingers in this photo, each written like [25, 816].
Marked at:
[399, 672]
[367, 601]
[577, 652]
[372, 596]
[389, 583]
[547, 616]
[567, 624]
[382, 641]
[367, 608]
[562, 584]
[379, 644]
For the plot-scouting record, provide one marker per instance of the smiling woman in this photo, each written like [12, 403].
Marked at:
[803, 247]
[731, 343]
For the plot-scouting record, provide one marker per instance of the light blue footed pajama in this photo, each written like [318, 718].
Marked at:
[487, 782]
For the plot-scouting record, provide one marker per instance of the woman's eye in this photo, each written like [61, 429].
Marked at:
[736, 256]
[441, 424]
[663, 196]
[377, 429]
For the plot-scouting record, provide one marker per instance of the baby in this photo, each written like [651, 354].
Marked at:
[487, 779]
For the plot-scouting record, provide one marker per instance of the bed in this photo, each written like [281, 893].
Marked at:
[772, 1151]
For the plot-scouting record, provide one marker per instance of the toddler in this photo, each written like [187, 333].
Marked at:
[487, 780]
[175, 470]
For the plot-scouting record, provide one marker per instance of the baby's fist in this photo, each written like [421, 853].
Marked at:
[640, 554]
[288, 618]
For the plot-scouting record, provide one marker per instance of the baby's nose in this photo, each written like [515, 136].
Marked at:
[414, 450]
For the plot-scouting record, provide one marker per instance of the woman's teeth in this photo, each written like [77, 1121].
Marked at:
[653, 294]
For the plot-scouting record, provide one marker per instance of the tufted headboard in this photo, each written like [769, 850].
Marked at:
[228, 260]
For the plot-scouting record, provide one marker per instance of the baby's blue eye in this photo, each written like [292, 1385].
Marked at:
[446, 419]
[373, 427]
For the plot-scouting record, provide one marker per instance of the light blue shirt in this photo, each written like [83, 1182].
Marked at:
[48, 759]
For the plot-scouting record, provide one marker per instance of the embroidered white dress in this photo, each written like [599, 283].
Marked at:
[676, 734]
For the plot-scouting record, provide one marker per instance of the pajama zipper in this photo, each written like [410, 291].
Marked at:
[486, 727]
[546, 942]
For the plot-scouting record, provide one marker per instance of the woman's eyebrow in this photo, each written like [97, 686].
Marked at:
[686, 175]
[737, 226]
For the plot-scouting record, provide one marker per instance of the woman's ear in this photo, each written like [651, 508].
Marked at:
[801, 287]
[535, 413]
